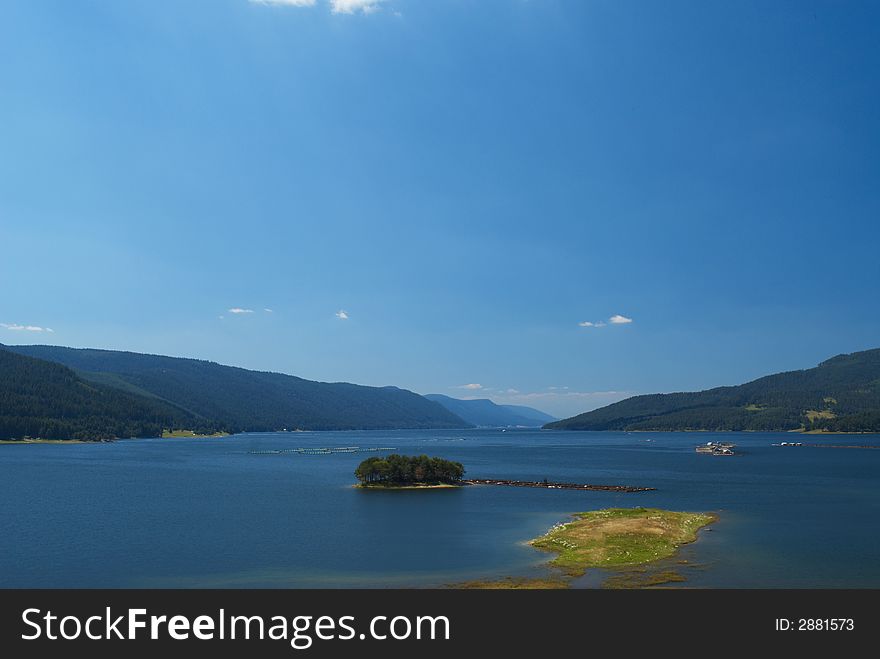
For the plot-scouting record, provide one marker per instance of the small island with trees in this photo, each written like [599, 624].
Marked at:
[408, 472]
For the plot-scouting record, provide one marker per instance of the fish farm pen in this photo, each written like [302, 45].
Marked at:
[324, 450]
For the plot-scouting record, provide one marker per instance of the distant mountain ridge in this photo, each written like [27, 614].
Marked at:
[485, 413]
[235, 399]
[841, 394]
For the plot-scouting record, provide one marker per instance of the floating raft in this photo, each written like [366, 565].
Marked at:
[850, 446]
[329, 450]
[717, 448]
[557, 486]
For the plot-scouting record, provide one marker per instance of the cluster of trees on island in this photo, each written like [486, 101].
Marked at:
[408, 470]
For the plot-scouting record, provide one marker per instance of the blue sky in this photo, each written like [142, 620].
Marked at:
[470, 182]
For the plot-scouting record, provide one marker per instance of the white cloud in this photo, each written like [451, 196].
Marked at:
[336, 6]
[267, 310]
[473, 386]
[239, 310]
[288, 3]
[616, 319]
[342, 314]
[15, 327]
[354, 6]
[537, 395]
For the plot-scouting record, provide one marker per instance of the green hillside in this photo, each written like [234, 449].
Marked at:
[236, 399]
[840, 394]
[40, 399]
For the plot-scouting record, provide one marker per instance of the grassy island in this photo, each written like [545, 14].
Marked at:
[408, 472]
[619, 537]
[615, 538]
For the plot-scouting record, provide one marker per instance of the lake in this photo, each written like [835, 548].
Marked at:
[210, 513]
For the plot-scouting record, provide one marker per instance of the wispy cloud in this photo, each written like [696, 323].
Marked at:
[616, 319]
[342, 314]
[583, 395]
[238, 310]
[354, 6]
[267, 310]
[15, 327]
[336, 6]
[287, 3]
[473, 386]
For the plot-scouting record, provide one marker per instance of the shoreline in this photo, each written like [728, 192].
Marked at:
[189, 434]
[408, 486]
[795, 431]
[11, 442]
[186, 435]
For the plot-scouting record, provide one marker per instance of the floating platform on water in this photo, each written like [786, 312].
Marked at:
[324, 450]
[849, 446]
[716, 448]
[556, 486]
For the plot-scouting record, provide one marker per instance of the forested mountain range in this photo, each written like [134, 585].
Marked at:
[208, 396]
[840, 394]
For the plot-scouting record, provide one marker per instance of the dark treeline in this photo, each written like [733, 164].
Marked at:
[863, 422]
[403, 469]
[39, 399]
[840, 394]
[237, 399]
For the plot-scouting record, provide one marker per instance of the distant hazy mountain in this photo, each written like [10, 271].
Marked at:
[50, 401]
[483, 412]
[236, 399]
[840, 394]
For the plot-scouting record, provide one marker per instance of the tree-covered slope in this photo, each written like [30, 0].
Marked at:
[840, 394]
[40, 399]
[243, 400]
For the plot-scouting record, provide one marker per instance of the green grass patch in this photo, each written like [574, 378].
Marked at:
[812, 415]
[619, 537]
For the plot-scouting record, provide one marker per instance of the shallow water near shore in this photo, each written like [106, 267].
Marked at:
[209, 513]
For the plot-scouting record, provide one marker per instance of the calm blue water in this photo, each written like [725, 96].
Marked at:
[206, 513]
